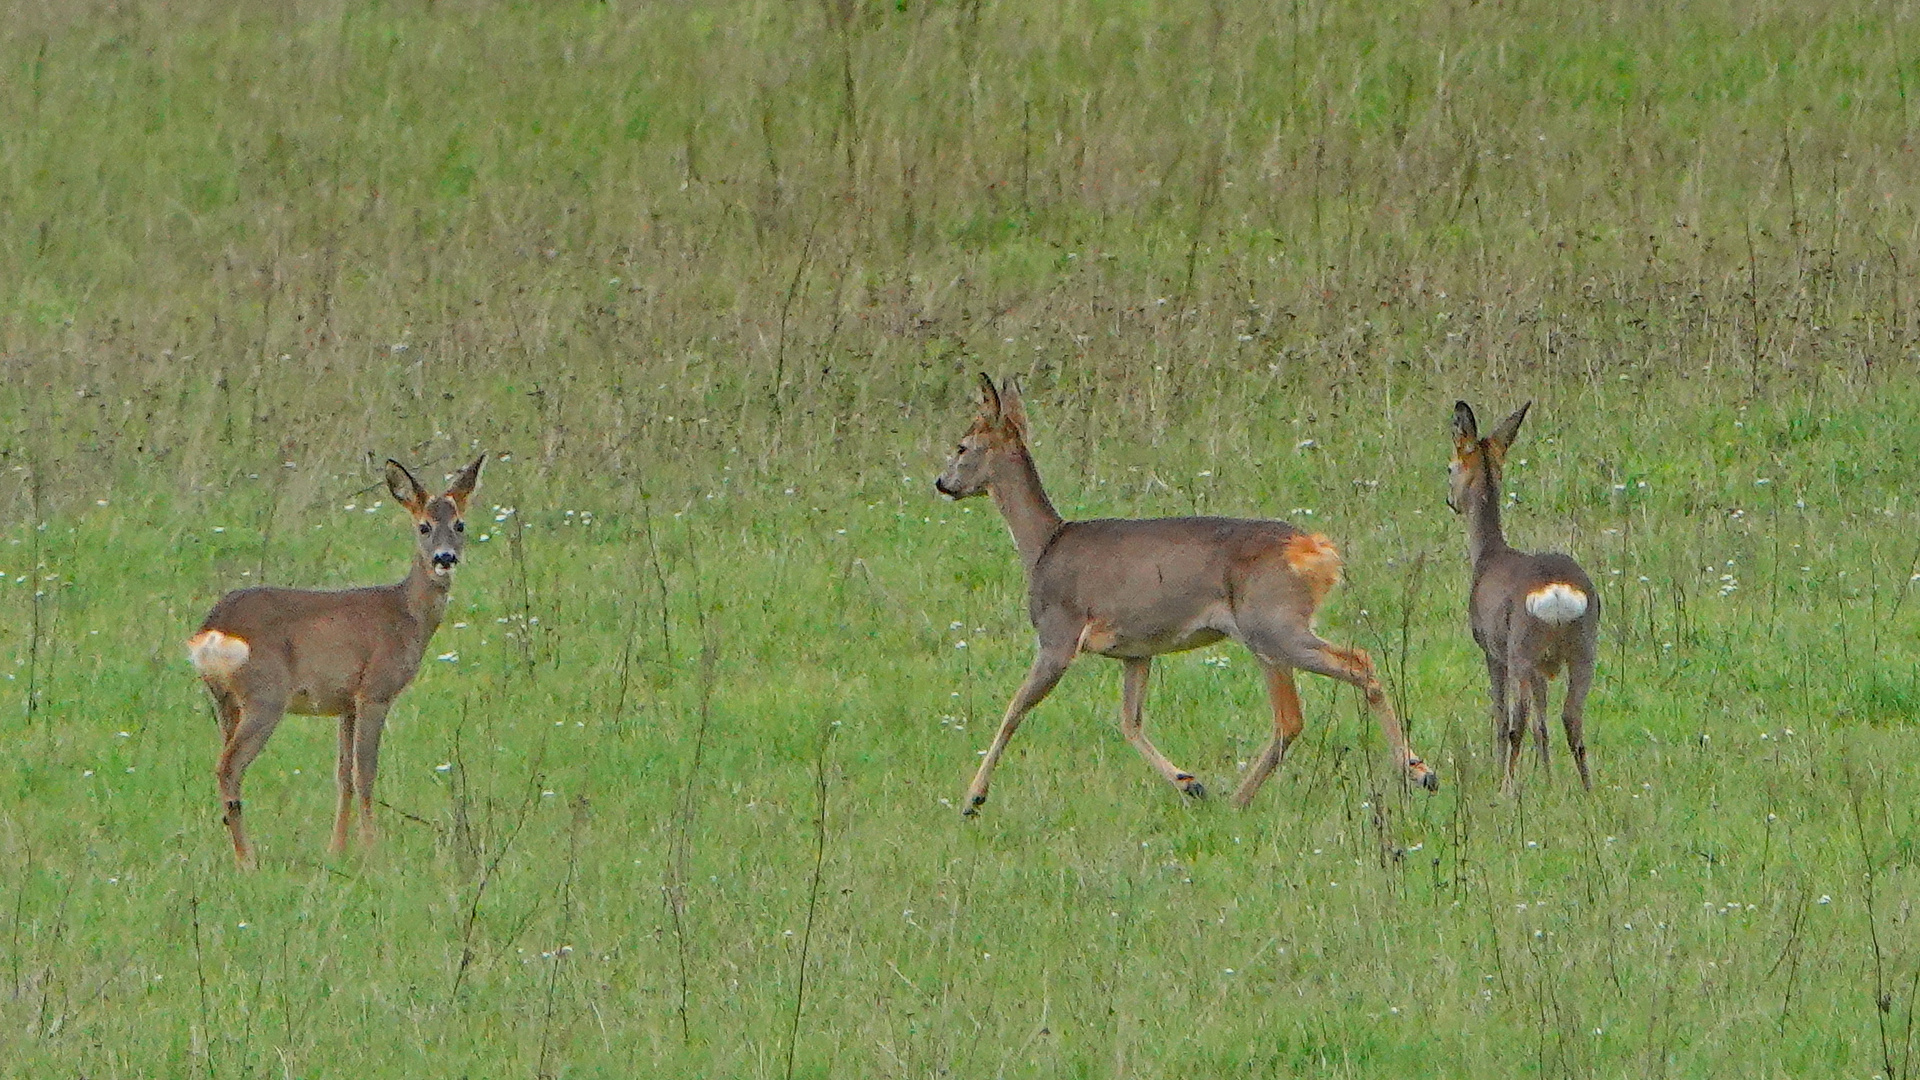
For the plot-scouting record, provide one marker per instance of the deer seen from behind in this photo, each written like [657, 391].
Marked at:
[1531, 614]
[264, 652]
[1136, 589]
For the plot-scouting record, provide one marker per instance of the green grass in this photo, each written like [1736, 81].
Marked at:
[718, 277]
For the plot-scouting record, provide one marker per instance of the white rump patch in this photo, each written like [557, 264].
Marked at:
[217, 655]
[1557, 604]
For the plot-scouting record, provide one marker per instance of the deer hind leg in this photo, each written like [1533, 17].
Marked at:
[1133, 696]
[1355, 666]
[1040, 681]
[1573, 712]
[249, 736]
[343, 780]
[226, 711]
[370, 718]
[1287, 725]
[1540, 684]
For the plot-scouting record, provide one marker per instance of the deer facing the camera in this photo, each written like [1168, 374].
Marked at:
[265, 652]
[1136, 589]
[1532, 614]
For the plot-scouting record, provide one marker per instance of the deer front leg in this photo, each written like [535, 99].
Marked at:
[1045, 674]
[1515, 732]
[370, 718]
[1287, 724]
[1133, 696]
[1497, 680]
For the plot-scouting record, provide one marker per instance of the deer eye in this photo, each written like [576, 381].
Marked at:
[459, 526]
[425, 528]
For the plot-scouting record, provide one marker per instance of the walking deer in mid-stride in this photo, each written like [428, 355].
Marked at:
[1531, 614]
[1137, 589]
[265, 652]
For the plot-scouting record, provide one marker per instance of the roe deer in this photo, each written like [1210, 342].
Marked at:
[265, 652]
[1531, 614]
[1135, 589]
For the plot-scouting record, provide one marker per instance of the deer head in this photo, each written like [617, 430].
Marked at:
[439, 519]
[1477, 462]
[999, 428]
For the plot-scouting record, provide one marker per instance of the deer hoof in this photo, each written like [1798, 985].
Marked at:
[974, 802]
[1194, 788]
[1423, 775]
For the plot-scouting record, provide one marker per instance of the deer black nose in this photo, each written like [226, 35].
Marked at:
[940, 485]
[445, 558]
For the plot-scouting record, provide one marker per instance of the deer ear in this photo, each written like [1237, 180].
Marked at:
[1013, 411]
[464, 484]
[1509, 428]
[1466, 431]
[989, 399]
[406, 490]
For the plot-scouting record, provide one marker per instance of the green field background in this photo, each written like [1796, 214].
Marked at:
[674, 793]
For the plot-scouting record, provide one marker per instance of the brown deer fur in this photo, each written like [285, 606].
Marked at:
[265, 652]
[1135, 589]
[1532, 614]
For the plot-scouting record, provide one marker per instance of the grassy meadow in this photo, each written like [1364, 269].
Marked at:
[675, 792]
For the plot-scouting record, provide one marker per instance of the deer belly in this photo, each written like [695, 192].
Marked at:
[316, 703]
[1106, 639]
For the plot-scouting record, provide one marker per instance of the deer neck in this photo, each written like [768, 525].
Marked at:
[1484, 535]
[426, 594]
[1015, 486]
